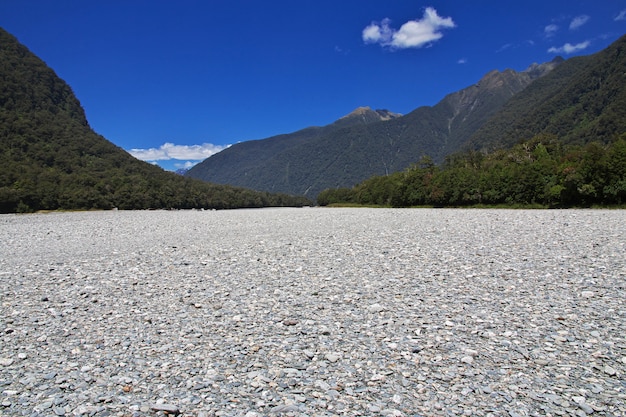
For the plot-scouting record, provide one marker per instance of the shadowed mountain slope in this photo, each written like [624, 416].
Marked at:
[366, 142]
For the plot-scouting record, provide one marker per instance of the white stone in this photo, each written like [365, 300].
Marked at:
[376, 308]
[332, 357]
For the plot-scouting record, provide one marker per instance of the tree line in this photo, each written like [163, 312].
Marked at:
[542, 172]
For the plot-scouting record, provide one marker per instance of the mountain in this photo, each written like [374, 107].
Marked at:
[266, 156]
[181, 171]
[51, 158]
[582, 100]
[560, 142]
[366, 142]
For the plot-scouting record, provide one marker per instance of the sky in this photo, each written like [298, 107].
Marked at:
[173, 82]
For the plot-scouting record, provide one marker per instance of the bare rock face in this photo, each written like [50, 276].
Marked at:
[504, 84]
[368, 115]
[539, 70]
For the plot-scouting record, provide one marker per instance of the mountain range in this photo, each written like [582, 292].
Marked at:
[577, 100]
[366, 142]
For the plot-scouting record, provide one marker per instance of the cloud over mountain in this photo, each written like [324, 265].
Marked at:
[412, 34]
[182, 152]
[568, 48]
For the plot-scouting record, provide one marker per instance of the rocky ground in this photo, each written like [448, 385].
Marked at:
[313, 312]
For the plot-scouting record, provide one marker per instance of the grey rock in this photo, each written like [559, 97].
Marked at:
[168, 408]
[332, 357]
[586, 408]
[285, 409]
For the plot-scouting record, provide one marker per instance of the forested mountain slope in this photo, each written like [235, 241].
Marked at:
[577, 101]
[366, 142]
[51, 158]
[582, 100]
[259, 164]
[561, 142]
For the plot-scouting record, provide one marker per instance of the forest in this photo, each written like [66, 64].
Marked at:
[542, 172]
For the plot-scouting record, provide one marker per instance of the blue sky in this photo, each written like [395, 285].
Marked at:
[175, 81]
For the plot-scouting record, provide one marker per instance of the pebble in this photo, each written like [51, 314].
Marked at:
[6, 361]
[609, 370]
[376, 308]
[332, 357]
[303, 312]
[168, 408]
[586, 408]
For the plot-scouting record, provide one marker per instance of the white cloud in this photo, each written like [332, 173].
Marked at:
[183, 152]
[550, 30]
[375, 32]
[412, 34]
[578, 21]
[462, 61]
[504, 47]
[185, 165]
[621, 15]
[568, 48]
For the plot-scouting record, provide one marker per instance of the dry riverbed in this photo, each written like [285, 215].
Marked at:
[314, 312]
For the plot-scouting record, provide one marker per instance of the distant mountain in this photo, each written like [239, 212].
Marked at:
[366, 142]
[181, 171]
[51, 159]
[249, 159]
[580, 101]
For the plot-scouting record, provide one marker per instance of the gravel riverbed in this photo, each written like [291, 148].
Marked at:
[314, 312]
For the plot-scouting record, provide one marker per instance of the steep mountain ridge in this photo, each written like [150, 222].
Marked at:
[474, 105]
[582, 100]
[365, 142]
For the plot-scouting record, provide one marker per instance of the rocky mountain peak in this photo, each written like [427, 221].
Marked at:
[539, 70]
[359, 111]
[493, 79]
[368, 115]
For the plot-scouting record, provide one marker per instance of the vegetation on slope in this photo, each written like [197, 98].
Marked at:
[51, 159]
[542, 172]
[364, 143]
[576, 116]
[579, 100]
[582, 100]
